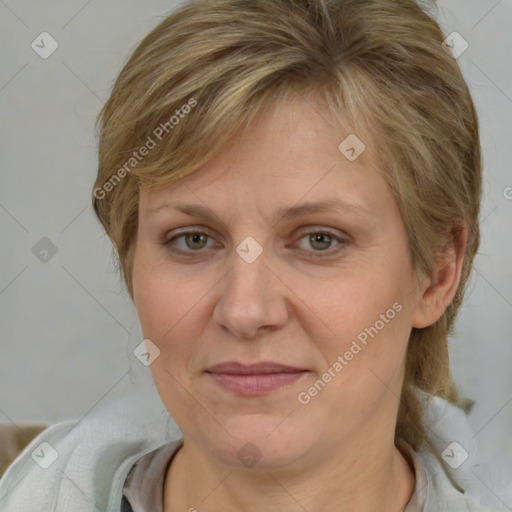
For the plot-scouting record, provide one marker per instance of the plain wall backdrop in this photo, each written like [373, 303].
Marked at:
[68, 329]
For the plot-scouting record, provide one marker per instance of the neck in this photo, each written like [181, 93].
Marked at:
[353, 479]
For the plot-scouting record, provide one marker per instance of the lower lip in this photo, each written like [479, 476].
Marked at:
[259, 384]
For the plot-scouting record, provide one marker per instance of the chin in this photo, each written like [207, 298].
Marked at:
[264, 442]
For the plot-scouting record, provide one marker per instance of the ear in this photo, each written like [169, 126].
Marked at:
[438, 290]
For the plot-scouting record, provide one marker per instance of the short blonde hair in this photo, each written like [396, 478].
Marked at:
[207, 69]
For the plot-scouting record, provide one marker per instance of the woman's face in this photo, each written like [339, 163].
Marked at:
[249, 272]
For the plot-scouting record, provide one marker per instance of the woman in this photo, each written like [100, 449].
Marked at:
[293, 191]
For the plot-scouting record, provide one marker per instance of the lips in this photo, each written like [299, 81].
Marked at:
[265, 367]
[254, 379]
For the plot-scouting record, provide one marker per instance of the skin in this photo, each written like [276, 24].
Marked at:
[295, 304]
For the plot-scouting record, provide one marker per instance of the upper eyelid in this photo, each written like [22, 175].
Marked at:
[303, 231]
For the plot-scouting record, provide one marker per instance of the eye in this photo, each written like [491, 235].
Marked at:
[193, 241]
[321, 241]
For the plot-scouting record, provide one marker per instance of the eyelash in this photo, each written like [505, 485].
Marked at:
[328, 252]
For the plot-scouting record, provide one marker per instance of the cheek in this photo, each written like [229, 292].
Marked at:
[363, 369]
[163, 296]
[166, 308]
[369, 326]
[167, 319]
[352, 303]
[173, 310]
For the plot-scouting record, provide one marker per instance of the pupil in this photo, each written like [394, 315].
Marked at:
[321, 238]
[196, 238]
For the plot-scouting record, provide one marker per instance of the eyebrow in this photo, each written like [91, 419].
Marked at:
[286, 213]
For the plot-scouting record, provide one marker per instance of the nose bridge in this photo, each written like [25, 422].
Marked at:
[247, 276]
[248, 282]
[251, 296]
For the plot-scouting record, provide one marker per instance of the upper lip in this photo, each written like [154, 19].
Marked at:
[236, 368]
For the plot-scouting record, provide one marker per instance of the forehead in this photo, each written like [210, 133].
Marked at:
[291, 153]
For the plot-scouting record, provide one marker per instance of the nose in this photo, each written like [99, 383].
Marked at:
[253, 299]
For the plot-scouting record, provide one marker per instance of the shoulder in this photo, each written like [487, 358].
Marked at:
[458, 477]
[39, 460]
[81, 465]
[443, 492]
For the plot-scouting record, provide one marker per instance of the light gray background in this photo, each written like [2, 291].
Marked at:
[68, 328]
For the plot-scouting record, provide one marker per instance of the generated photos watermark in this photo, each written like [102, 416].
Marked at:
[145, 149]
[304, 397]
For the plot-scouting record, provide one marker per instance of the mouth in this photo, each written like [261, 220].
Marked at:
[254, 379]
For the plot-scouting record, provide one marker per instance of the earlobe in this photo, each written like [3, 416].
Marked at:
[440, 289]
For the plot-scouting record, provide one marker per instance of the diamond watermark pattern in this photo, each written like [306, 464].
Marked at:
[249, 455]
[146, 352]
[44, 45]
[45, 455]
[352, 147]
[454, 455]
[44, 250]
[249, 250]
[455, 45]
